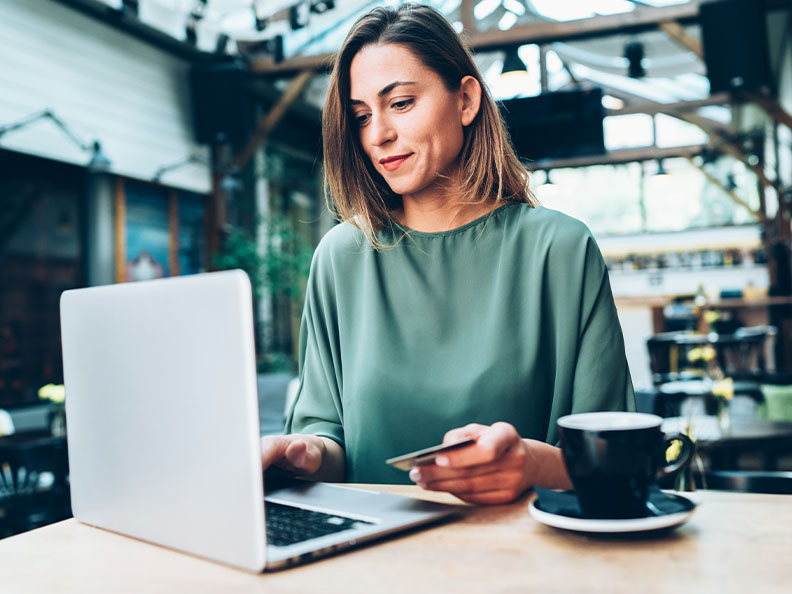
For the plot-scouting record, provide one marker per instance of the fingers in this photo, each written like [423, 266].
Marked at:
[305, 457]
[473, 430]
[491, 444]
[501, 480]
[272, 448]
[295, 453]
[514, 457]
[493, 470]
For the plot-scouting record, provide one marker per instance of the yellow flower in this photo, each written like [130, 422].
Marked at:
[56, 393]
[711, 316]
[724, 389]
[702, 353]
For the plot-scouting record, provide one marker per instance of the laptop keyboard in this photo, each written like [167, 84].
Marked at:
[288, 525]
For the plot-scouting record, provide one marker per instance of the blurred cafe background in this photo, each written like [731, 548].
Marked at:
[152, 138]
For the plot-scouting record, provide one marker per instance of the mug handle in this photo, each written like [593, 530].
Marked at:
[684, 456]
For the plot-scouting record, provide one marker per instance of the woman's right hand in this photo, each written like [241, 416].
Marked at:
[306, 455]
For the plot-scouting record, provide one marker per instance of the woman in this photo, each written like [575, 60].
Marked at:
[447, 304]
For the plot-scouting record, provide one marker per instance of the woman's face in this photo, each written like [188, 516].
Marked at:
[409, 124]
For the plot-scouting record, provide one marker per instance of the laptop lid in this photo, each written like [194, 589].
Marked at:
[161, 407]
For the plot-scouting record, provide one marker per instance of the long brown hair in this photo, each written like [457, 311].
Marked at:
[491, 170]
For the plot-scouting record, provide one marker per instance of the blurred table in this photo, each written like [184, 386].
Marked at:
[34, 488]
[768, 438]
[735, 542]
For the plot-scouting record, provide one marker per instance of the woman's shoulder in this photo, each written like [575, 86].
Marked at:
[342, 242]
[548, 225]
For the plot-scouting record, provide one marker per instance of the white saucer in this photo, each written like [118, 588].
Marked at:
[609, 526]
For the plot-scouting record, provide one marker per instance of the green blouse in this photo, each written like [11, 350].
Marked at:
[507, 318]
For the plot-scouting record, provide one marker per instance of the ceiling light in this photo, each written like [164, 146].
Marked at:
[548, 189]
[321, 6]
[634, 52]
[512, 62]
[299, 15]
[260, 15]
[661, 172]
[221, 43]
[99, 161]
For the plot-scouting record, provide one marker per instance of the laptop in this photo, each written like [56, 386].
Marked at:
[164, 431]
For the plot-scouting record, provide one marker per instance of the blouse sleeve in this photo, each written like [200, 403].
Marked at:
[602, 379]
[317, 408]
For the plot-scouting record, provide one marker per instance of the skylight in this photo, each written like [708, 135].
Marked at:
[579, 9]
[569, 10]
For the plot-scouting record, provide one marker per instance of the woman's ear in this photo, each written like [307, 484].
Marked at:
[470, 95]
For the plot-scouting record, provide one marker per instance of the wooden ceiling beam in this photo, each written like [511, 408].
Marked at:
[467, 17]
[772, 107]
[730, 193]
[621, 156]
[642, 105]
[642, 19]
[677, 32]
[267, 123]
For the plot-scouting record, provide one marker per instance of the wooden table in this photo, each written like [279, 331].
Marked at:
[733, 543]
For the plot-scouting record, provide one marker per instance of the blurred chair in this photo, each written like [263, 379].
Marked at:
[668, 357]
[746, 481]
[744, 354]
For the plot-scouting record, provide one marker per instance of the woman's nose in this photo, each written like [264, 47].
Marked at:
[381, 130]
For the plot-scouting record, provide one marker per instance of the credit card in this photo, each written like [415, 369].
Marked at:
[427, 455]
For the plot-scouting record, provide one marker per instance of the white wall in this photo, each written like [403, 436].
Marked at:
[104, 84]
[636, 323]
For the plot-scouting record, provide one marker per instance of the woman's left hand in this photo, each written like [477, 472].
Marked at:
[498, 468]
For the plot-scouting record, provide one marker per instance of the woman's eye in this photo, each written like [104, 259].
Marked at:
[362, 119]
[403, 104]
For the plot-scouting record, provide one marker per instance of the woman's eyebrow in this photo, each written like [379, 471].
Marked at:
[385, 90]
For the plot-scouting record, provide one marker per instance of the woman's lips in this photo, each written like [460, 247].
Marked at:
[392, 163]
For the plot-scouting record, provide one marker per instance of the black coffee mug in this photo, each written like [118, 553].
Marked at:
[614, 457]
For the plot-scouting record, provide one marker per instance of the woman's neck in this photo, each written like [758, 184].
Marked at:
[439, 215]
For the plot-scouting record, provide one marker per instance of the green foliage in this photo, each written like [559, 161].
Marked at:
[281, 264]
[240, 251]
[287, 259]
